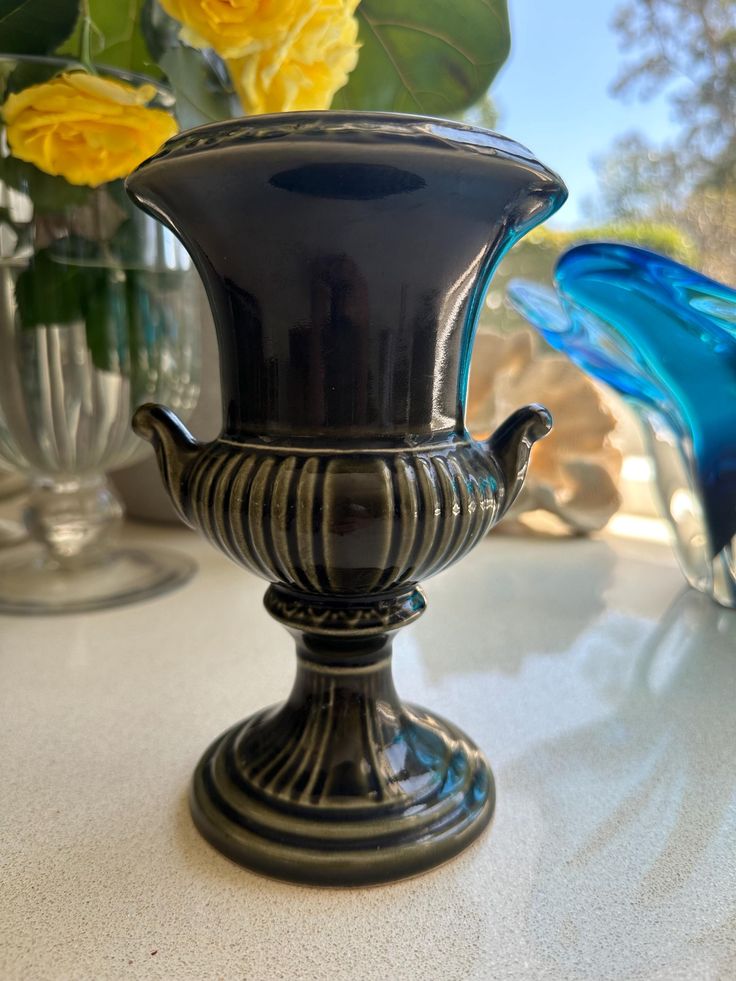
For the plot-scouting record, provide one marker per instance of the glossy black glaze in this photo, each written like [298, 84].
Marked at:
[342, 784]
[342, 256]
[345, 258]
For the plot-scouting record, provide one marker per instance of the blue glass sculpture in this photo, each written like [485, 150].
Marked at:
[664, 337]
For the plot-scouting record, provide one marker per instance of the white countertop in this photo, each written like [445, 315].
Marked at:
[601, 691]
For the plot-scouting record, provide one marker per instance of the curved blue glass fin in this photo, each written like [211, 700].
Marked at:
[671, 319]
[664, 337]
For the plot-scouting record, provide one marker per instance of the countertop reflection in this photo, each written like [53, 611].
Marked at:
[601, 692]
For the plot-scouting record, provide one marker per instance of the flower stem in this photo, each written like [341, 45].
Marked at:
[85, 38]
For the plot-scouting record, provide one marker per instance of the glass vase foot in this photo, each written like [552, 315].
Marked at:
[343, 784]
[30, 583]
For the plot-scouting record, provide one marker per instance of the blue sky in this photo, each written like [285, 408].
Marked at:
[553, 92]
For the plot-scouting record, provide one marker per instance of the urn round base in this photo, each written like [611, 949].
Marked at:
[361, 842]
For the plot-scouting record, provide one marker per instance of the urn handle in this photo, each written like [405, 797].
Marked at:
[511, 445]
[175, 449]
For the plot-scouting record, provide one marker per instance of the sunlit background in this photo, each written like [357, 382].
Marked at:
[637, 113]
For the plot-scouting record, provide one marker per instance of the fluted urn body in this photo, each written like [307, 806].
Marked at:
[345, 257]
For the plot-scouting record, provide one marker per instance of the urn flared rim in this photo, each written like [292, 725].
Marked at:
[355, 128]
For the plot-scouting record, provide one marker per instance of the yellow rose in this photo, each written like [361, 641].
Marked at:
[86, 129]
[234, 27]
[304, 69]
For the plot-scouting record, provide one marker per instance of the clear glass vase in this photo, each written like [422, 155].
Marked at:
[12, 532]
[97, 315]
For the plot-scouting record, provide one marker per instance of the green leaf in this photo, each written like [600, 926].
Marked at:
[199, 79]
[436, 57]
[48, 193]
[200, 94]
[26, 73]
[160, 31]
[124, 310]
[117, 38]
[102, 306]
[50, 292]
[36, 27]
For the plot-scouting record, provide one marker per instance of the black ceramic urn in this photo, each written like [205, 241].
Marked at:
[345, 257]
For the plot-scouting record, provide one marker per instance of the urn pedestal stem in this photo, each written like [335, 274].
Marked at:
[342, 784]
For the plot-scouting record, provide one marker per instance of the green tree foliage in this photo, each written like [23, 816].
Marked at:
[687, 49]
[636, 178]
[535, 257]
